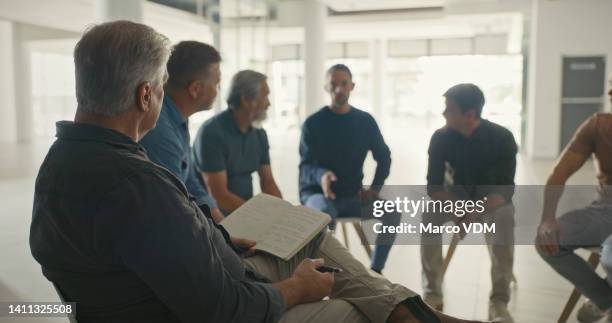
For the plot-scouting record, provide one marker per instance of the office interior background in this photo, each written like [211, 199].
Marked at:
[542, 64]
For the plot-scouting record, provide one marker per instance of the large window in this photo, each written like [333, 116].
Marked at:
[416, 86]
[53, 96]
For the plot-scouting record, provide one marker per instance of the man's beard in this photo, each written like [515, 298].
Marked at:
[340, 101]
[259, 119]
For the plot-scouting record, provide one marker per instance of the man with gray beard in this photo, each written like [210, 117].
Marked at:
[228, 148]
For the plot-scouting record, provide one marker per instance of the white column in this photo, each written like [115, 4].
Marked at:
[378, 55]
[109, 10]
[23, 86]
[315, 13]
[8, 118]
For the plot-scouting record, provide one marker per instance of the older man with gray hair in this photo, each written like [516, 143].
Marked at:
[121, 236]
[228, 148]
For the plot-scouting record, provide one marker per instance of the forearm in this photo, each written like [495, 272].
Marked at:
[382, 171]
[228, 201]
[270, 187]
[216, 215]
[290, 291]
[552, 194]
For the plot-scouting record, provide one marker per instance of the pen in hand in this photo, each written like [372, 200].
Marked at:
[327, 269]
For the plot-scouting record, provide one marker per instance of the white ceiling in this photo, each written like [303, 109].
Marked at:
[367, 5]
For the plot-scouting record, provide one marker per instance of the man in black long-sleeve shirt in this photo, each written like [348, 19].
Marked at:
[335, 142]
[478, 158]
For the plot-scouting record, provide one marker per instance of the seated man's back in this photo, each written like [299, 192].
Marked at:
[98, 202]
[117, 234]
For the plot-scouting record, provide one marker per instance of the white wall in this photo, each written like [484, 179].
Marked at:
[8, 117]
[48, 26]
[560, 28]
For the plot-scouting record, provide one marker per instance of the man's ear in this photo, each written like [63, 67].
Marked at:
[144, 93]
[194, 88]
[352, 85]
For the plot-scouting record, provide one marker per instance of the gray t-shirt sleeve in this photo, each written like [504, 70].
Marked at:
[265, 147]
[210, 150]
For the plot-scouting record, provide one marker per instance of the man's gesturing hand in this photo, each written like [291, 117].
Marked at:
[326, 181]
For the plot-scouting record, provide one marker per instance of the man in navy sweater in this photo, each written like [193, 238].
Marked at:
[334, 144]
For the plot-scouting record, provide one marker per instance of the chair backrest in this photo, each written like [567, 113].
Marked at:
[71, 318]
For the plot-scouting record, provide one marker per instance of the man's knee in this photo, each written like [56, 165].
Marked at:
[319, 202]
[333, 310]
[546, 256]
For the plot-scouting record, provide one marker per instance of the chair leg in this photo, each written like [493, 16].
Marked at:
[362, 237]
[449, 253]
[344, 235]
[575, 295]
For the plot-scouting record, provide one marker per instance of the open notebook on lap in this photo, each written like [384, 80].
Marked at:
[278, 227]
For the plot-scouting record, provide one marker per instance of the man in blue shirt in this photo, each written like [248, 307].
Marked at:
[192, 86]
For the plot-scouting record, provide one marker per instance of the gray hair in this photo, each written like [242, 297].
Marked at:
[111, 60]
[244, 84]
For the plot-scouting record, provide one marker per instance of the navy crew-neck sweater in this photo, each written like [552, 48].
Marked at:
[340, 143]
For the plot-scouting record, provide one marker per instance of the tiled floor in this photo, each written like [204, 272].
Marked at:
[537, 298]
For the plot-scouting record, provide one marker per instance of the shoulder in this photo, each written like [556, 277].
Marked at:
[442, 134]
[364, 116]
[317, 116]
[213, 126]
[164, 133]
[262, 135]
[145, 173]
[601, 120]
[499, 131]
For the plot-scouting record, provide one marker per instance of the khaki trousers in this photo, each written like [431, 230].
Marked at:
[501, 251]
[358, 294]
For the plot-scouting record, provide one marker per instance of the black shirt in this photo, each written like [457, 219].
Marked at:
[481, 164]
[121, 237]
[340, 143]
[220, 146]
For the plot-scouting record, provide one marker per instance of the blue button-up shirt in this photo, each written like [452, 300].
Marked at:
[168, 145]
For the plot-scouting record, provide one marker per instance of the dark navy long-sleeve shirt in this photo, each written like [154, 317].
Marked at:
[121, 237]
[340, 143]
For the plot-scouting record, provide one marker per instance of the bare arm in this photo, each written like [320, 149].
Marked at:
[217, 185]
[569, 163]
[267, 182]
[548, 231]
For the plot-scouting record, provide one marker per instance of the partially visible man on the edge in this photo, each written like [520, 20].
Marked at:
[120, 236]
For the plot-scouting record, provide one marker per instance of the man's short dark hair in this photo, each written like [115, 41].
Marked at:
[339, 67]
[189, 59]
[467, 97]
